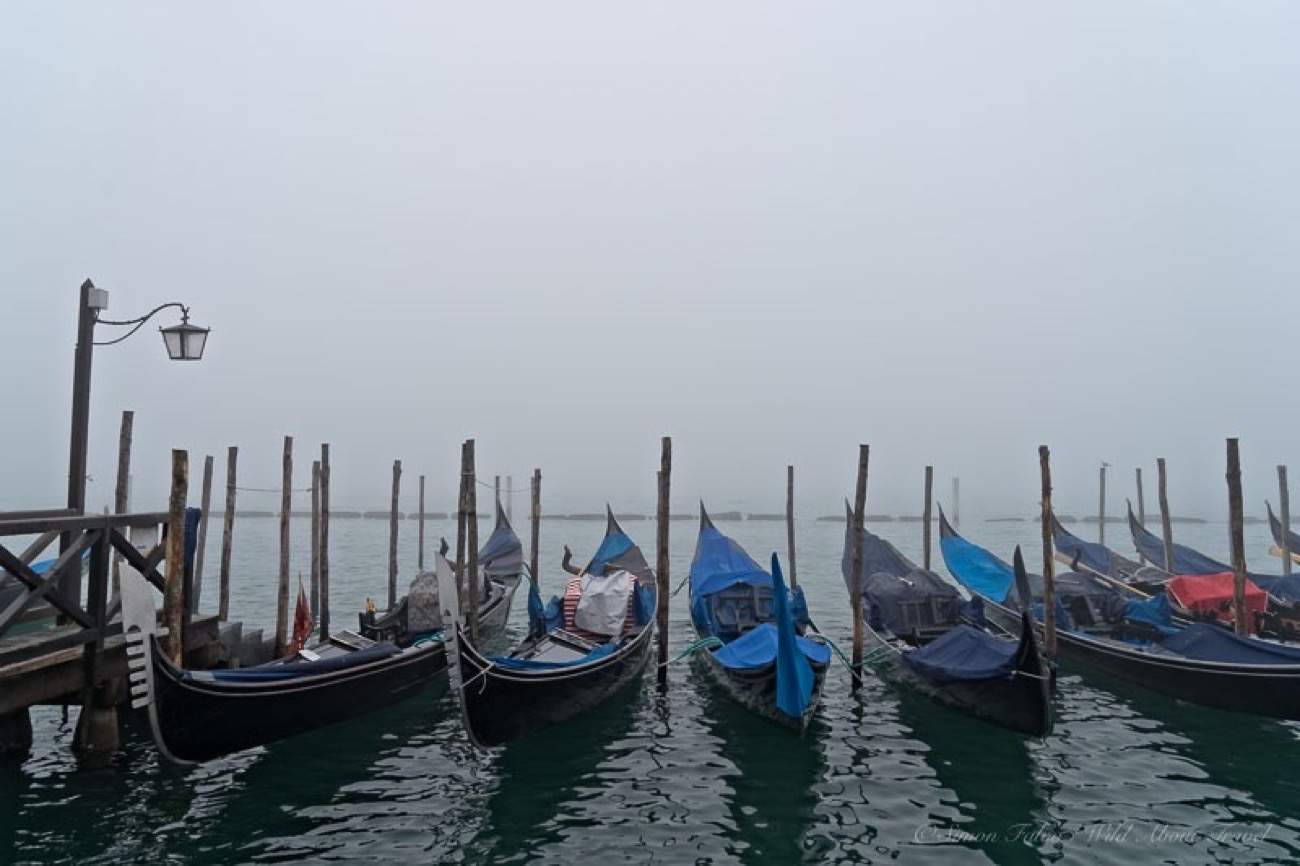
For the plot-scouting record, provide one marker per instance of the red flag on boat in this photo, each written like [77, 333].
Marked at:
[302, 621]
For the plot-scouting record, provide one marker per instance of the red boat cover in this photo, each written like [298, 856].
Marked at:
[1212, 594]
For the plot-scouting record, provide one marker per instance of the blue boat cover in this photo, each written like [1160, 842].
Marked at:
[1091, 555]
[1208, 642]
[1154, 612]
[976, 569]
[794, 676]
[1190, 561]
[964, 654]
[502, 555]
[720, 563]
[277, 672]
[757, 648]
[530, 665]
[617, 551]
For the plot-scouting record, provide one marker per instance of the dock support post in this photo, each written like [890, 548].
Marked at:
[201, 545]
[789, 525]
[925, 515]
[324, 541]
[419, 555]
[282, 594]
[1166, 526]
[661, 554]
[122, 492]
[16, 732]
[1284, 505]
[855, 562]
[1236, 532]
[537, 525]
[1049, 573]
[392, 535]
[471, 536]
[227, 534]
[1101, 508]
[315, 538]
[174, 596]
[96, 736]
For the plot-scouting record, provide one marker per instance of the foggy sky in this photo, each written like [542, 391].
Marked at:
[952, 230]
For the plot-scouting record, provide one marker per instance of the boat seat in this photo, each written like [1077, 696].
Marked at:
[735, 611]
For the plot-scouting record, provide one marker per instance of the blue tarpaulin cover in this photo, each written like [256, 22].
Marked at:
[617, 551]
[275, 672]
[1207, 642]
[1091, 555]
[964, 654]
[502, 555]
[756, 648]
[720, 563]
[976, 569]
[1154, 611]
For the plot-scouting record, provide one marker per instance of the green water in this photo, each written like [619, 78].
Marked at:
[682, 776]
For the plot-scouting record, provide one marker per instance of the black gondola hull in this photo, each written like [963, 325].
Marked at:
[198, 720]
[501, 704]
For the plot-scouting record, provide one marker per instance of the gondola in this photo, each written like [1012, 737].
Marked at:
[752, 628]
[581, 648]
[1275, 526]
[1281, 619]
[500, 564]
[1200, 663]
[922, 635]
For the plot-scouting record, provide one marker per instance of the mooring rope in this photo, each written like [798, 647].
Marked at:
[709, 642]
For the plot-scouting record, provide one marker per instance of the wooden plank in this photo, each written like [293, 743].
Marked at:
[1049, 571]
[37, 513]
[80, 523]
[282, 589]
[1236, 532]
[173, 597]
[855, 563]
[47, 585]
[661, 553]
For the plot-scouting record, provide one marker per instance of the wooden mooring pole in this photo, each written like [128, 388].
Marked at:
[925, 514]
[201, 545]
[1284, 506]
[536, 515]
[789, 525]
[227, 535]
[419, 556]
[324, 613]
[661, 553]
[282, 593]
[1049, 573]
[956, 502]
[1142, 505]
[1101, 507]
[462, 508]
[855, 562]
[1236, 532]
[174, 595]
[122, 491]
[315, 539]
[510, 499]
[1166, 524]
[471, 536]
[392, 535]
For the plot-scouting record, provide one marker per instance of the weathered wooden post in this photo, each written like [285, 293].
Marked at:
[419, 557]
[1049, 573]
[1236, 531]
[227, 535]
[925, 514]
[324, 613]
[282, 594]
[174, 595]
[855, 563]
[956, 502]
[1101, 508]
[661, 554]
[789, 524]
[201, 545]
[462, 508]
[315, 538]
[122, 492]
[1284, 505]
[1142, 506]
[1166, 525]
[510, 499]
[496, 493]
[392, 535]
[537, 525]
[471, 538]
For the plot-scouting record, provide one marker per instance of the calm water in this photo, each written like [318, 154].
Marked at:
[682, 777]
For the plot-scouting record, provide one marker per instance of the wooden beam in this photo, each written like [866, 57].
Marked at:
[47, 585]
[661, 553]
[855, 563]
[79, 523]
[392, 535]
[1236, 532]
[282, 588]
[1049, 571]
[174, 597]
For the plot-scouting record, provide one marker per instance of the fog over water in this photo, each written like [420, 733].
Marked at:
[773, 231]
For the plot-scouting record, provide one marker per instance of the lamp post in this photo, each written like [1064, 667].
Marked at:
[184, 342]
